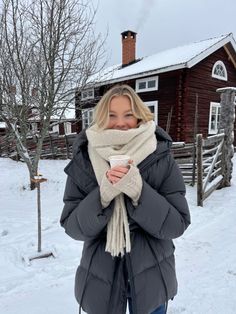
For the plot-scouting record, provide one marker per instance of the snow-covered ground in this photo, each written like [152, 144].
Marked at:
[205, 254]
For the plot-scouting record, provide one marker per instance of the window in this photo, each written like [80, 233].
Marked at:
[55, 128]
[87, 94]
[35, 111]
[87, 117]
[153, 106]
[3, 125]
[214, 118]
[147, 84]
[219, 71]
[67, 127]
[34, 127]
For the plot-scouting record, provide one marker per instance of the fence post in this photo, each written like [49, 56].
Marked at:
[194, 140]
[67, 146]
[227, 117]
[51, 146]
[199, 171]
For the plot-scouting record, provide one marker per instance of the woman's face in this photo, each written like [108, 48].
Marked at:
[120, 114]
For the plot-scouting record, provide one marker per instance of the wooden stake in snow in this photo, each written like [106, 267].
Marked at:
[38, 180]
[40, 254]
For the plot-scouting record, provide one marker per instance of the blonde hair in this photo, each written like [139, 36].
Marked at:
[139, 109]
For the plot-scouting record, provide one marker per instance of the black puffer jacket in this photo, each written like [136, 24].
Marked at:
[161, 215]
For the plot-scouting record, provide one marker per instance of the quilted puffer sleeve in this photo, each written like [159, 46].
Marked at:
[164, 213]
[83, 217]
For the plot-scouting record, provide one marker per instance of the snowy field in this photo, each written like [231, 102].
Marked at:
[205, 254]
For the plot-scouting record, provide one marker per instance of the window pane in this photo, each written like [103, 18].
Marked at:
[218, 118]
[213, 110]
[215, 118]
[213, 123]
[142, 85]
[219, 70]
[152, 108]
[55, 128]
[87, 116]
[151, 84]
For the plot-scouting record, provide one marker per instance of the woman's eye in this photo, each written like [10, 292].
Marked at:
[129, 115]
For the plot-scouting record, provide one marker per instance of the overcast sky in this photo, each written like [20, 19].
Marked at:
[162, 24]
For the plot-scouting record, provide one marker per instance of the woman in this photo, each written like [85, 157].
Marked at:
[127, 216]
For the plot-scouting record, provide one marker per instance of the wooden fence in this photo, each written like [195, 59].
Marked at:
[205, 169]
[209, 165]
[184, 156]
[54, 146]
[201, 164]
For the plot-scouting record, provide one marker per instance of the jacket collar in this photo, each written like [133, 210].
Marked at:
[81, 167]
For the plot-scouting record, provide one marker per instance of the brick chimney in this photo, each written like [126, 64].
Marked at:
[128, 47]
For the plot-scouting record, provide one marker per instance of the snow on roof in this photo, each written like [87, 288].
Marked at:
[172, 59]
[2, 125]
[69, 114]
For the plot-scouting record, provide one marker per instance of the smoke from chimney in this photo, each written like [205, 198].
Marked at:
[144, 13]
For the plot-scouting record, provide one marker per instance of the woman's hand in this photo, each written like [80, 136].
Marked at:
[117, 172]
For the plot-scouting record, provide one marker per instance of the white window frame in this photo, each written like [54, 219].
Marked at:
[146, 80]
[67, 127]
[85, 94]
[223, 78]
[34, 126]
[3, 125]
[87, 117]
[55, 128]
[217, 106]
[35, 111]
[155, 104]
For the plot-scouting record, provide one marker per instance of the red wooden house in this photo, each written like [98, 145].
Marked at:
[65, 125]
[171, 82]
[61, 125]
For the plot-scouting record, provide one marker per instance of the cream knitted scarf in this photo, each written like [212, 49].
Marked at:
[138, 143]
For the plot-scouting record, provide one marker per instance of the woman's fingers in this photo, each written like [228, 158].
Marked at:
[119, 169]
[116, 173]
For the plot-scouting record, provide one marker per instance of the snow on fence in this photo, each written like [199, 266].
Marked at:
[206, 168]
[54, 146]
[183, 154]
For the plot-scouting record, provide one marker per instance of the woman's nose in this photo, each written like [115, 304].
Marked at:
[120, 122]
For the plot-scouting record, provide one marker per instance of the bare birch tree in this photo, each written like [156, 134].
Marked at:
[48, 49]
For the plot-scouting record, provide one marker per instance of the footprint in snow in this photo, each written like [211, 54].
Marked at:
[4, 233]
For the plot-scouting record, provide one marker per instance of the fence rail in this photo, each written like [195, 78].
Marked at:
[183, 154]
[209, 165]
[206, 167]
[54, 146]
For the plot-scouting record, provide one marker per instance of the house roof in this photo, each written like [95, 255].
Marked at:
[168, 60]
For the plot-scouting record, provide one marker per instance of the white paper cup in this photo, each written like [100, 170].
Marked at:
[119, 160]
